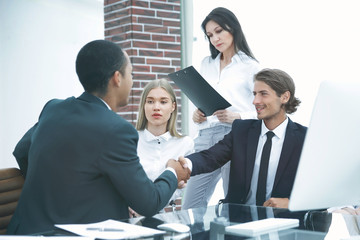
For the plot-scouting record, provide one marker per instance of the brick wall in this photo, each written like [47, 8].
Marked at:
[149, 31]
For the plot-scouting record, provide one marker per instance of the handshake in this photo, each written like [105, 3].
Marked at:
[182, 170]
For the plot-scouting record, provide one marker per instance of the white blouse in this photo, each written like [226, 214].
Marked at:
[235, 83]
[155, 151]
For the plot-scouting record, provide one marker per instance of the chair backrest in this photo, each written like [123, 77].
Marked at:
[11, 183]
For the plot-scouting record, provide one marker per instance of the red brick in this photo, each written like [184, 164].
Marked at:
[161, 75]
[142, 44]
[149, 76]
[155, 29]
[132, 52]
[137, 27]
[169, 46]
[138, 60]
[174, 31]
[118, 30]
[118, 14]
[136, 92]
[125, 45]
[163, 38]
[142, 36]
[153, 61]
[147, 20]
[163, 6]
[129, 108]
[120, 37]
[175, 62]
[168, 14]
[138, 3]
[174, 1]
[151, 53]
[118, 22]
[136, 84]
[117, 6]
[141, 68]
[143, 12]
[144, 82]
[172, 54]
[162, 69]
[108, 2]
[172, 23]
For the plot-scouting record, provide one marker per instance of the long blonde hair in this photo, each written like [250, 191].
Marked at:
[142, 121]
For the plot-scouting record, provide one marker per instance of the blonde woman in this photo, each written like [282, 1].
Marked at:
[159, 140]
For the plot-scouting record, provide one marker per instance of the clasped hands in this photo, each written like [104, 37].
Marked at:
[182, 171]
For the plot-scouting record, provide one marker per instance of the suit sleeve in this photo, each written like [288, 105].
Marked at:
[120, 162]
[21, 151]
[213, 158]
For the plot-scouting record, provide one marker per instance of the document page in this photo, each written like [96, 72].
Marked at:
[110, 229]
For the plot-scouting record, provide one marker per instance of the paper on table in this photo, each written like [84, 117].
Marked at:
[129, 230]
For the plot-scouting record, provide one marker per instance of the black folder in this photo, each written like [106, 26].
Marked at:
[199, 91]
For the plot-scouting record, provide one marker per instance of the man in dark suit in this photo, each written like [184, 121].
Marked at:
[80, 158]
[274, 97]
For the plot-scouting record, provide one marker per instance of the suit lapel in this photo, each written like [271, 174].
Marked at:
[253, 140]
[290, 142]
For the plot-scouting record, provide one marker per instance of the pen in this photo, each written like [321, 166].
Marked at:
[104, 229]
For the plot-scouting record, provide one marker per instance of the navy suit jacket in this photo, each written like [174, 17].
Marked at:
[240, 146]
[81, 166]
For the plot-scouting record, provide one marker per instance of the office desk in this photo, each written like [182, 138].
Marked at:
[209, 223]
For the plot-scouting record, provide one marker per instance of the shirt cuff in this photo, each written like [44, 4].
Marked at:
[189, 163]
[248, 115]
[332, 209]
[172, 170]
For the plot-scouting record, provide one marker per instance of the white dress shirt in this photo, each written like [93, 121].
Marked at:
[235, 83]
[155, 151]
[277, 144]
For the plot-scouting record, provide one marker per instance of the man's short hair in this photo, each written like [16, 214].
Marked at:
[97, 62]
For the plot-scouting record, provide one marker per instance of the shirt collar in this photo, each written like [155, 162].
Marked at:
[279, 130]
[150, 137]
[104, 103]
[235, 59]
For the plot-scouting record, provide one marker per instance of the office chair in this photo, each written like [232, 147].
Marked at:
[11, 183]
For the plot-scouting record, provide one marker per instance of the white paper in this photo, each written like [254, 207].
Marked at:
[129, 230]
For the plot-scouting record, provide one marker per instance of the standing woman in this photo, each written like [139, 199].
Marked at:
[229, 70]
[159, 140]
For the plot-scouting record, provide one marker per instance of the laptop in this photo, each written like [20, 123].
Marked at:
[328, 174]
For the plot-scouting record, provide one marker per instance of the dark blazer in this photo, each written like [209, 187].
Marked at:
[240, 146]
[81, 166]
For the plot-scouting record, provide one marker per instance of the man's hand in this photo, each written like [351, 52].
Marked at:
[183, 162]
[133, 214]
[182, 171]
[226, 116]
[277, 203]
[198, 116]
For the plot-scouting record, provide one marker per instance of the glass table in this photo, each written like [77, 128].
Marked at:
[210, 223]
